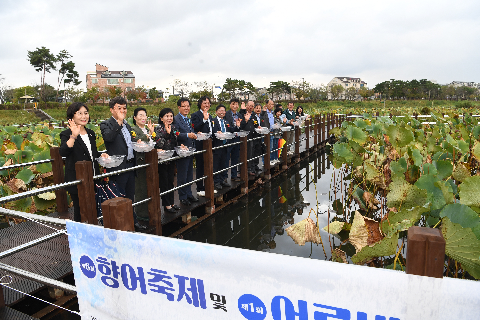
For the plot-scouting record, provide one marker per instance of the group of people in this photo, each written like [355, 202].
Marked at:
[172, 131]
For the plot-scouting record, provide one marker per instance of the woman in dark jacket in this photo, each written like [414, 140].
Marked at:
[77, 144]
[166, 139]
[141, 130]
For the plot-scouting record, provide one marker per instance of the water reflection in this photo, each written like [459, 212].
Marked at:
[258, 222]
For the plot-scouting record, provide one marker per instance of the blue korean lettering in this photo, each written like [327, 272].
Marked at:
[340, 313]
[251, 307]
[290, 313]
[363, 316]
[105, 269]
[197, 291]
[160, 276]
[130, 278]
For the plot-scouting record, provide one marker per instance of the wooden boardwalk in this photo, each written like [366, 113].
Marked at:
[52, 258]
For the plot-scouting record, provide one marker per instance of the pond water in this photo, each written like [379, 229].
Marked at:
[258, 221]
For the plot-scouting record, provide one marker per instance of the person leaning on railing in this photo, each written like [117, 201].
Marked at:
[141, 131]
[166, 139]
[78, 144]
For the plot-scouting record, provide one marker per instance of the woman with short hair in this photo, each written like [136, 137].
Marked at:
[78, 143]
[166, 139]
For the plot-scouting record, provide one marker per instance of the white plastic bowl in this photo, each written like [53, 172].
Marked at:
[276, 126]
[111, 161]
[262, 130]
[286, 128]
[165, 154]
[143, 146]
[242, 133]
[184, 152]
[224, 135]
[202, 136]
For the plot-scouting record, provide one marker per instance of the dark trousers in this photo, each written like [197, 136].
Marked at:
[253, 150]
[219, 163]
[126, 181]
[184, 175]
[166, 173]
[199, 171]
[233, 156]
[76, 207]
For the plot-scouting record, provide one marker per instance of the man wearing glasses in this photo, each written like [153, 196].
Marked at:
[186, 137]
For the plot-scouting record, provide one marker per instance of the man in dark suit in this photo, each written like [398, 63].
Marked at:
[221, 125]
[202, 122]
[250, 121]
[187, 138]
[233, 152]
[116, 134]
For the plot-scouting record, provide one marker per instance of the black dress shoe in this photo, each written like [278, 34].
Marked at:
[171, 210]
[218, 186]
[185, 202]
[139, 226]
[192, 199]
[176, 207]
[226, 184]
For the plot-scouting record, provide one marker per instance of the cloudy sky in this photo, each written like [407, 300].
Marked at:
[257, 41]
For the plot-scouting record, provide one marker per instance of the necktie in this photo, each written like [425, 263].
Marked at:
[222, 125]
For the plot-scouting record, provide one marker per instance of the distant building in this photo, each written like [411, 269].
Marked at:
[103, 78]
[457, 84]
[345, 82]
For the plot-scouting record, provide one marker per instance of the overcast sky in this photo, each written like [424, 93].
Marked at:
[257, 41]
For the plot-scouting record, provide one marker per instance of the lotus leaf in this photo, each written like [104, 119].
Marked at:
[339, 256]
[358, 233]
[476, 150]
[444, 168]
[358, 197]
[461, 172]
[463, 215]
[356, 134]
[404, 195]
[334, 227]
[26, 175]
[24, 205]
[343, 150]
[385, 247]
[337, 205]
[462, 245]
[469, 191]
[434, 194]
[476, 132]
[401, 221]
[304, 231]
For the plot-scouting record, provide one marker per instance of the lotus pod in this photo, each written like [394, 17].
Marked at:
[304, 231]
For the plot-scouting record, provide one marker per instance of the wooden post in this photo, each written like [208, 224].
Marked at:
[297, 144]
[315, 131]
[208, 171]
[2, 298]
[153, 191]
[58, 177]
[425, 252]
[118, 214]
[244, 165]
[266, 162]
[322, 129]
[284, 152]
[307, 137]
[86, 192]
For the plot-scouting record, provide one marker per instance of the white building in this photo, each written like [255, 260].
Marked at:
[345, 82]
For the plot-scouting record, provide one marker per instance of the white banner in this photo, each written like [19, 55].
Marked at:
[125, 275]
